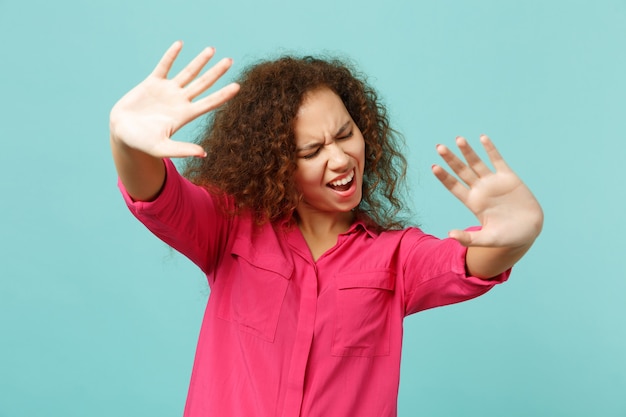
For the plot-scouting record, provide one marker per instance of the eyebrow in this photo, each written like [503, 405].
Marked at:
[313, 145]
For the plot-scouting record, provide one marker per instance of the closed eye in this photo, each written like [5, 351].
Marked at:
[346, 136]
[313, 154]
[337, 138]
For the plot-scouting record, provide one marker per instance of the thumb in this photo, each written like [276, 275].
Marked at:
[174, 149]
[464, 237]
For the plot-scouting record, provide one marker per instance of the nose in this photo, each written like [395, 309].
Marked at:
[338, 159]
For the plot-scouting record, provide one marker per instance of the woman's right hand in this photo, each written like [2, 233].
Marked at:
[148, 115]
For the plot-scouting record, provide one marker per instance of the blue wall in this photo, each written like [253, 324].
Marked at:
[98, 318]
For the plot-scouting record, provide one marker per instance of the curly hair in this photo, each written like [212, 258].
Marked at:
[251, 148]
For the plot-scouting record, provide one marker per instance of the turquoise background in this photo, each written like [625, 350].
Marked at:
[99, 318]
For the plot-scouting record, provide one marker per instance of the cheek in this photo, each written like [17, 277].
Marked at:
[358, 151]
[304, 175]
[298, 180]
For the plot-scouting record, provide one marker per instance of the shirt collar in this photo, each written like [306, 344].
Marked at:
[360, 223]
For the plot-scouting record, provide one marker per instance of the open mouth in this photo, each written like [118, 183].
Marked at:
[343, 184]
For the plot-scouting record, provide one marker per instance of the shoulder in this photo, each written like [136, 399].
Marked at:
[370, 247]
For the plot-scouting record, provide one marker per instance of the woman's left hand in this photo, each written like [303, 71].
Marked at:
[508, 212]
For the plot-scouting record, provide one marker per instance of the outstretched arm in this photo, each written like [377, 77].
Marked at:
[144, 120]
[510, 216]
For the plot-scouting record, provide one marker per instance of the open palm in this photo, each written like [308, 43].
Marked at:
[148, 115]
[508, 212]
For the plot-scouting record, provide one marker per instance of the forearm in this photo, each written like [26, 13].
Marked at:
[143, 121]
[142, 175]
[489, 262]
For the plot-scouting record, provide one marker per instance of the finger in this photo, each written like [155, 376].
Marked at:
[173, 149]
[473, 160]
[194, 67]
[459, 167]
[165, 64]
[206, 80]
[473, 238]
[451, 183]
[215, 100]
[494, 156]
[465, 238]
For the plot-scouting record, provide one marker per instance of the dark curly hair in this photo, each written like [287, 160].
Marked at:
[251, 147]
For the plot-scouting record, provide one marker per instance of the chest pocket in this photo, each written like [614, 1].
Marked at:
[364, 300]
[253, 293]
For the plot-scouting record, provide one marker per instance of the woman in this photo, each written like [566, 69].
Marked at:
[291, 217]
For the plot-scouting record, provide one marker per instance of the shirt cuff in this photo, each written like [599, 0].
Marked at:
[460, 266]
[171, 175]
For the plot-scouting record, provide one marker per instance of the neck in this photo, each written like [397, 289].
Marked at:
[321, 230]
[323, 224]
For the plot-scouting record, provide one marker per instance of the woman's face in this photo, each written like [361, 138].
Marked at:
[331, 155]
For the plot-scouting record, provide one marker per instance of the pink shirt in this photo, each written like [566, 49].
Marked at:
[286, 336]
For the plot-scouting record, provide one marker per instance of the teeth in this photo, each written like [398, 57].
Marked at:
[343, 181]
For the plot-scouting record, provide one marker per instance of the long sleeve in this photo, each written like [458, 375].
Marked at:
[186, 217]
[435, 274]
